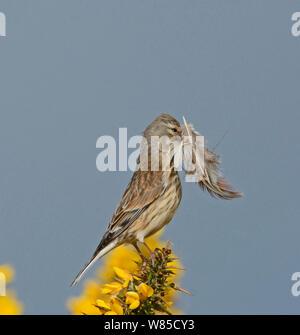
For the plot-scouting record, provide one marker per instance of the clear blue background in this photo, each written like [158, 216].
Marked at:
[71, 71]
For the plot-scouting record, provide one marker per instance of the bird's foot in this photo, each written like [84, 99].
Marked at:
[152, 254]
[144, 264]
[153, 257]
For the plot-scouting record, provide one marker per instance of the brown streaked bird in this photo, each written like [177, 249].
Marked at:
[152, 197]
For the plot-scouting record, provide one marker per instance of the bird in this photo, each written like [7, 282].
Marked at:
[152, 196]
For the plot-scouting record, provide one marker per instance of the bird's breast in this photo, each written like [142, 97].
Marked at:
[162, 210]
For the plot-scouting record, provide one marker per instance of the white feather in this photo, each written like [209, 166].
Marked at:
[202, 165]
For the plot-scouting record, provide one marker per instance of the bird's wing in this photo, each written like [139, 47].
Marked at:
[144, 188]
[205, 163]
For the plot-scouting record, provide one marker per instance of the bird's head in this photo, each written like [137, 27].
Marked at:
[163, 137]
[163, 125]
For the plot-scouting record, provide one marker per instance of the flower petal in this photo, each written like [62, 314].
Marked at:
[116, 306]
[133, 300]
[110, 313]
[123, 275]
[145, 291]
[102, 304]
[111, 288]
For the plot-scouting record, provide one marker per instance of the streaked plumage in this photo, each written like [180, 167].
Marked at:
[152, 197]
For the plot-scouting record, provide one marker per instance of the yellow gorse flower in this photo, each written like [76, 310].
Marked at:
[123, 275]
[102, 304]
[112, 288]
[132, 299]
[124, 286]
[9, 304]
[145, 291]
[114, 307]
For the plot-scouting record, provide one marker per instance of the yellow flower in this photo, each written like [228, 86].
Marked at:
[144, 291]
[103, 306]
[83, 305]
[123, 275]
[112, 288]
[116, 306]
[110, 313]
[133, 300]
[124, 256]
[91, 289]
[120, 270]
[9, 305]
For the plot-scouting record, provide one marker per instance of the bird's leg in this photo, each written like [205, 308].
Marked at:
[144, 261]
[152, 254]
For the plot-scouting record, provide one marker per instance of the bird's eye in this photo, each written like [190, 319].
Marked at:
[174, 129]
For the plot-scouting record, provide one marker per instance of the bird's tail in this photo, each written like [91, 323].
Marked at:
[98, 254]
